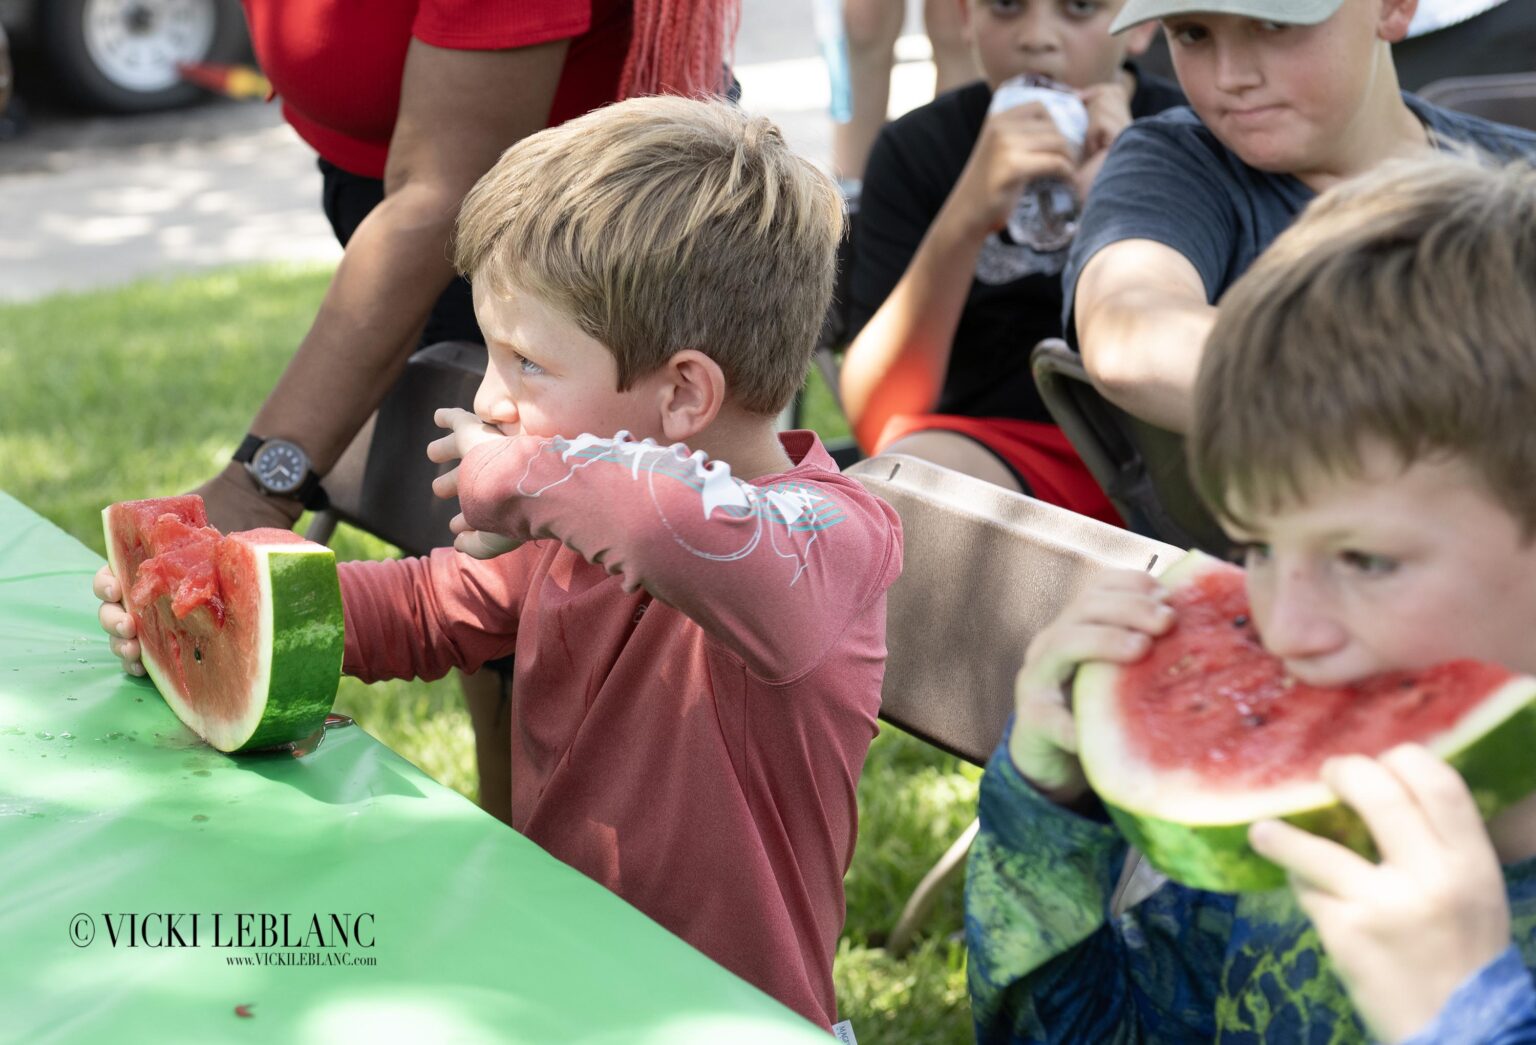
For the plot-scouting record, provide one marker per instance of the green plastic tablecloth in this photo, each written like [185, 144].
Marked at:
[110, 807]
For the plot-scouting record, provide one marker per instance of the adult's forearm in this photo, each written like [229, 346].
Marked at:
[898, 362]
[394, 269]
[458, 111]
[1143, 352]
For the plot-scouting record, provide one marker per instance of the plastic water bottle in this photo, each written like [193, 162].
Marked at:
[1046, 217]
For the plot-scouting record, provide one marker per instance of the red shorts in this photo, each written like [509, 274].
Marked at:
[1038, 454]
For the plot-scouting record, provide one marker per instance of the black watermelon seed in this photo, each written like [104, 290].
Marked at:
[1240, 621]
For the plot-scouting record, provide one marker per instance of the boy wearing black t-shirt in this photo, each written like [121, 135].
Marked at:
[944, 308]
[1288, 97]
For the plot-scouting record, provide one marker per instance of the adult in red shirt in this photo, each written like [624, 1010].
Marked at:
[408, 103]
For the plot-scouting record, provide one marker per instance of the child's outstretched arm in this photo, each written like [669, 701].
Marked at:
[772, 572]
[1142, 324]
[1143, 270]
[1421, 939]
[405, 618]
[1046, 962]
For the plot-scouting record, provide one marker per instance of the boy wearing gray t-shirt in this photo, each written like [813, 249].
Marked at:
[1287, 98]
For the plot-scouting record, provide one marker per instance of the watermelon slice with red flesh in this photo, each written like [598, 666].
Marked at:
[241, 634]
[1208, 733]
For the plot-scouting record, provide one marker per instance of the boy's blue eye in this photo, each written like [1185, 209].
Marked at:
[527, 366]
[1005, 8]
[1368, 563]
[1083, 9]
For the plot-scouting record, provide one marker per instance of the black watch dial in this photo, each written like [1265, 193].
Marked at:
[280, 466]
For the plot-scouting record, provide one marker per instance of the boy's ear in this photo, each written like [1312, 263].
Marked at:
[966, 22]
[1139, 39]
[693, 392]
[1393, 17]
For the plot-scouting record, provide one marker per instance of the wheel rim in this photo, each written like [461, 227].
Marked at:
[137, 44]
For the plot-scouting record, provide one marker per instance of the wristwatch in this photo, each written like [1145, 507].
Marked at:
[281, 469]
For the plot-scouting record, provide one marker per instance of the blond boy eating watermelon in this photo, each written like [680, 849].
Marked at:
[1363, 425]
[696, 602]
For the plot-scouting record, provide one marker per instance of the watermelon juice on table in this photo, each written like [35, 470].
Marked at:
[242, 634]
[1208, 733]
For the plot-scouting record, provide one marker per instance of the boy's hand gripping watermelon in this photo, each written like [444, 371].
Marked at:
[241, 634]
[1208, 733]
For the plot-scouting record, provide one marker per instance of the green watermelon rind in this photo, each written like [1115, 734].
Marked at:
[301, 604]
[1216, 856]
[300, 607]
[1498, 770]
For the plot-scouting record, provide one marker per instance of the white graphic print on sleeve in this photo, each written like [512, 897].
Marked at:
[736, 515]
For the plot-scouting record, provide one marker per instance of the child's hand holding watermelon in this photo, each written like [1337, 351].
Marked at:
[1113, 620]
[1431, 913]
[115, 620]
[466, 431]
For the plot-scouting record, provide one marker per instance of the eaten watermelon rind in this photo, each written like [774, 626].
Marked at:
[293, 685]
[301, 597]
[1198, 835]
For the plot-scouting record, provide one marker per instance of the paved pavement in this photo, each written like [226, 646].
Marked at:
[93, 202]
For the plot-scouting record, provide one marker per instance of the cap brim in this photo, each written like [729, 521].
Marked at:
[1290, 12]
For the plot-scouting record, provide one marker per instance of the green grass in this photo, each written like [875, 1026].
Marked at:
[145, 391]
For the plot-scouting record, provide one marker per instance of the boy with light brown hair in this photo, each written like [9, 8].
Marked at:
[696, 601]
[1288, 98]
[1363, 429]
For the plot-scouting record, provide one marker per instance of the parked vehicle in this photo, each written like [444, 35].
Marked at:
[122, 55]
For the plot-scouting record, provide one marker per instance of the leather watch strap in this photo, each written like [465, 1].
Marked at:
[311, 494]
[247, 449]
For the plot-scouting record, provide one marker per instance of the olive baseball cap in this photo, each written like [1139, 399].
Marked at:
[1290, 12]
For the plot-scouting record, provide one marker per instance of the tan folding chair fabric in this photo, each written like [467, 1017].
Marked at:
[984, 570]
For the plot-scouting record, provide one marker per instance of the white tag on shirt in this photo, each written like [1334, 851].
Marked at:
[843, 1032]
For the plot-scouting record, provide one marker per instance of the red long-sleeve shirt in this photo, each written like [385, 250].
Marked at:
[690, 717]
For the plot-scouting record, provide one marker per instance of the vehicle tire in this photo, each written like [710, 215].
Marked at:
[121, 55]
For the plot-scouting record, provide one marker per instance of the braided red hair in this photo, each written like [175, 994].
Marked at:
[679, 47]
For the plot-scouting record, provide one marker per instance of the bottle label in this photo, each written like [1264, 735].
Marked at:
[1065, 107]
